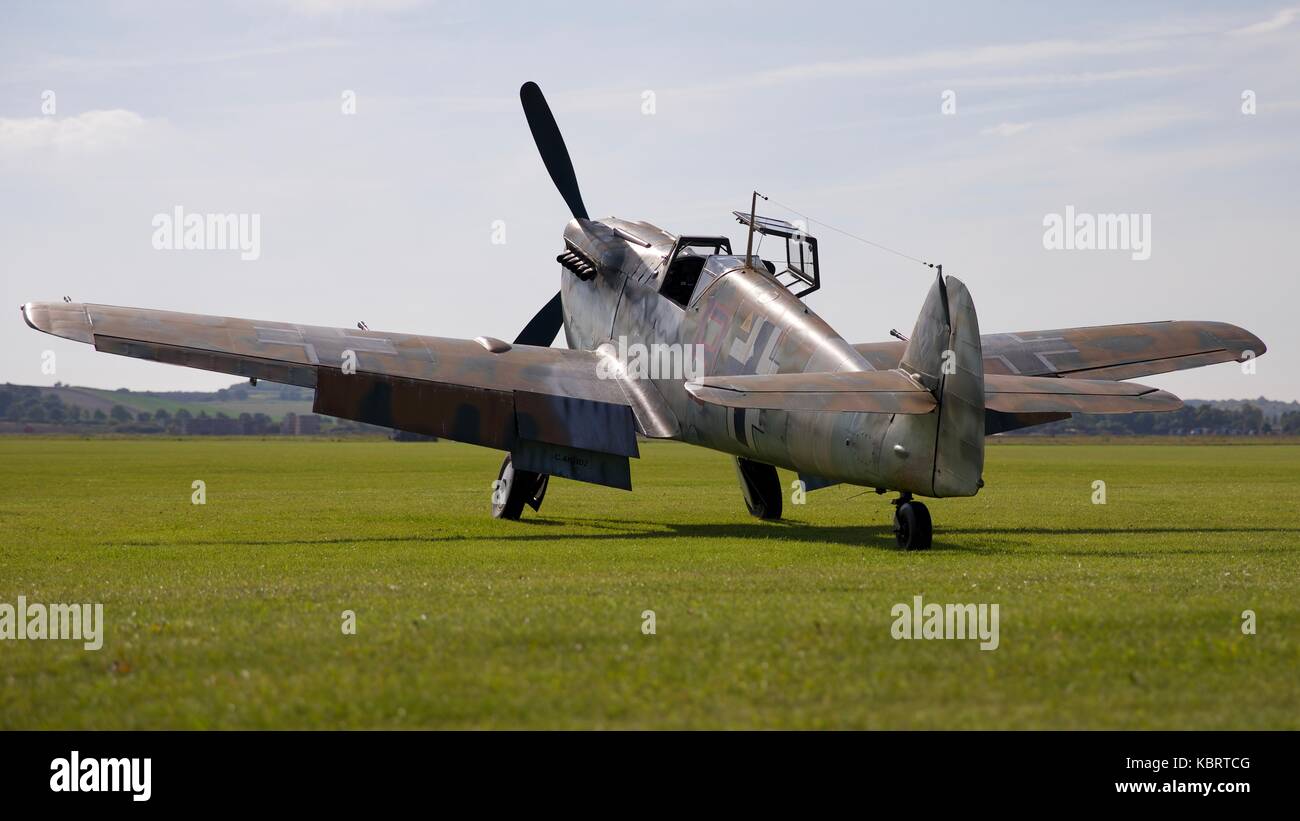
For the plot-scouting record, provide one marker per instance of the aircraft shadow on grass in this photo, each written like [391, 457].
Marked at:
[858, 536]
[853, 536]
[542, 530]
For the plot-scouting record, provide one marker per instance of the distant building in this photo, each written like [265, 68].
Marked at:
[212, 426]
[407, 436]
[295, 424]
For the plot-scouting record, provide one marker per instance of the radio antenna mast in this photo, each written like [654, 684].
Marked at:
[749, 244]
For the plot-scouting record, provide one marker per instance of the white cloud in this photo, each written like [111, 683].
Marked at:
[961, 59]
[146, 60]
[928, 63]
[1081, 78]
[935, 62]
[1277, 22]
[1005, 129]
[89, 131]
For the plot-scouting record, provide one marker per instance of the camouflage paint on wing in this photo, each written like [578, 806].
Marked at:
[1101, 352]
[553, 404]
[1038, 394]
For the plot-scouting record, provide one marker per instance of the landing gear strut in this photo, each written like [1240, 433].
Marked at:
[515, 488]
[761, 487]
[912, 528]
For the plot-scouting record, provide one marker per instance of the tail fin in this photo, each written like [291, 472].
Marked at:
[945, 355]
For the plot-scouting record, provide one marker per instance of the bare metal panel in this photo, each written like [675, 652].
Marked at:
[654, 416]
[861, 391]
[68, 320]
[812, 482]
[893, 381]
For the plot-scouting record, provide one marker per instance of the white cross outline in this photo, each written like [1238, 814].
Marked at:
[1041, 355]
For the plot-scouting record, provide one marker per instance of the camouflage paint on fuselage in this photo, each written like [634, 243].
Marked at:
[746, 323]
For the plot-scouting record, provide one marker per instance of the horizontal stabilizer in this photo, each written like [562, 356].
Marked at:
[1042, 394]
[856, 391]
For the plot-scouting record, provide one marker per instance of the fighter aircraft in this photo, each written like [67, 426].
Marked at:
[779, 387]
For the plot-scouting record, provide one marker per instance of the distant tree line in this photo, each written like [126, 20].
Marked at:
[238, 392]
[1189, 420]
[28, 404]
[25, 403]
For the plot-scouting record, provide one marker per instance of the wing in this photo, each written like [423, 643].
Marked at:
[1103, 352]
[1037, 394]
[869, 392]
[553, 409]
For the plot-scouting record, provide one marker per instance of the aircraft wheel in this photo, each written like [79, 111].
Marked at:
[513, 489]
[761, 488]
[912, 527]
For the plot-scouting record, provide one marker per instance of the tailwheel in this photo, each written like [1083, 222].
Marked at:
[912, 527]
[515, 488]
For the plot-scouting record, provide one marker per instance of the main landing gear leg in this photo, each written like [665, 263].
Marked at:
[912, 528]
[761, 487]
[515, 488]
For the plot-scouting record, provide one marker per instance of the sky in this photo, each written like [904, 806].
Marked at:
[382, 148]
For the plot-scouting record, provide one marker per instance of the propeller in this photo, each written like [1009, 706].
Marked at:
[550, 144]
[543, 327]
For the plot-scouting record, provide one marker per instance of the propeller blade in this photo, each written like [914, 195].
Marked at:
[550, 144]
[543, 327]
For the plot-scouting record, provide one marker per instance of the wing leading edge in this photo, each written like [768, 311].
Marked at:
[553, 409]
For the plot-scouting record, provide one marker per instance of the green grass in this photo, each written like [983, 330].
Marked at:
[228, 615]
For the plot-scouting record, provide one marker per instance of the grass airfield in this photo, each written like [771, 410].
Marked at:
[228, 614]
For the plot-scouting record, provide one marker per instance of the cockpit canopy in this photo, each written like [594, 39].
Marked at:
[693, 262]
[801, 274]
[685, 263]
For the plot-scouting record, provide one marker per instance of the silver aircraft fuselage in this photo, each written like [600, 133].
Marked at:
[744, 322]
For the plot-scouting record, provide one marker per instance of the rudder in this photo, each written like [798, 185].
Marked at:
[944, 354]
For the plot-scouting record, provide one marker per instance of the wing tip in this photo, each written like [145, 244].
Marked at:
[1234, 338]
[66, 319]
[1243, 340]
[26, 309]
[1162, 400]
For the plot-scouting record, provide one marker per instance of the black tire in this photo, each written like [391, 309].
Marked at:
[512, 490]
[912, 527]
[761, 488]
[535, 498]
